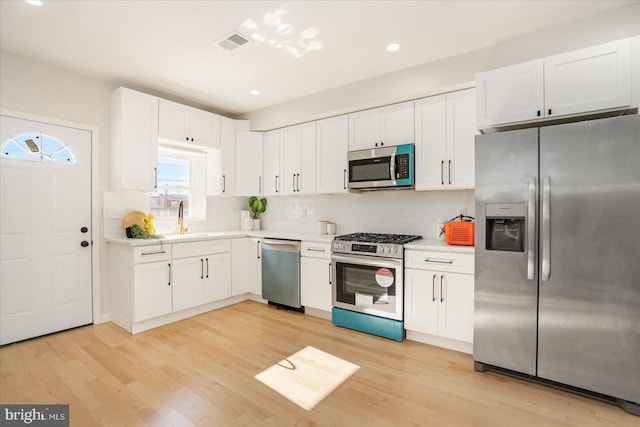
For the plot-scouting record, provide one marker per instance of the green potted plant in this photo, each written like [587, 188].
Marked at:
[256, 207]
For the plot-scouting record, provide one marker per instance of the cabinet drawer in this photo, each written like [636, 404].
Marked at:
[204, 247]
[315, 250]
[440, 261]
[151, 253]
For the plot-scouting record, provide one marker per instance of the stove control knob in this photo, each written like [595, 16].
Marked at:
[395, 250]
[387, 249]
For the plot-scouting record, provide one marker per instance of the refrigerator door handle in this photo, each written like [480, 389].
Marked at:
[531, 230]
[546, 229]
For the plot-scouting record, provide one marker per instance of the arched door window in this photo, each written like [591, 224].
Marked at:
[38, 147]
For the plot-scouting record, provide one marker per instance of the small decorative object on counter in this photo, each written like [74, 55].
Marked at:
[138, 225]
[257, 207]
[321, 227]
[246, 223]
[460, 230]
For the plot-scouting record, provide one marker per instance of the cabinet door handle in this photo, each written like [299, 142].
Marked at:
[442, 172]
[169, 264]
[201, 268]
[153, 253]
[449, 171]
[330, 276]
[277, 177]
[258, 248]
[441, 295]
[538, 113]
[433, 288]
[439, 261]
[207, 259]
[298, 182]
[549, 111]
[259, 184]
[293, 182]
[224, 183]
[155, 177]
[344, 179]
[315, 250]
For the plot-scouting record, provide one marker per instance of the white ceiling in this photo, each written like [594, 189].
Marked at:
[168, 46]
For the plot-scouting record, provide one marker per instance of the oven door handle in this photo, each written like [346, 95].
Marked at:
[367, 260]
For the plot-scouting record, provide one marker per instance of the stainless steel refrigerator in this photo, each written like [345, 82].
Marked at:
[557, 276]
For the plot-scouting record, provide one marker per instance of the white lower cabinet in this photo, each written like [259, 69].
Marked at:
[439, 295]
[152, 290]
[315, 275]
[217, 281]
[157, 284]
[201, 272]
[188, 283]
[254, 270]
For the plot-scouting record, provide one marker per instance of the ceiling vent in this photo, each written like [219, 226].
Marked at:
[232, 41]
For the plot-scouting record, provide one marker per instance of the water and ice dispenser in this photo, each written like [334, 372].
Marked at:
[505, 226]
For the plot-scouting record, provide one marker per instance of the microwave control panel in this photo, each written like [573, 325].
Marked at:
[402, 166]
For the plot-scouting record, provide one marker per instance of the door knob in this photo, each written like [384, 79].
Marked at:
[84, 229]
[84, 244]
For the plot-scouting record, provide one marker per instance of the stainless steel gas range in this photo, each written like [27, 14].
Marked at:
[368, 287]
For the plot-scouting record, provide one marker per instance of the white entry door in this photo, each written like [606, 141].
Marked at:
[45, 229]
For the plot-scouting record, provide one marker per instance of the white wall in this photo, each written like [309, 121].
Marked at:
[451, 73]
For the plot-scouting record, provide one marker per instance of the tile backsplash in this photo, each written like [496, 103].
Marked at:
[400, 211]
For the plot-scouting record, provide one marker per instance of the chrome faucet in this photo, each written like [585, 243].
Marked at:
[181, 217]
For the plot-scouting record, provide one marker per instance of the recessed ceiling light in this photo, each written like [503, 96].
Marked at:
[255, 92]
[34, 2]
[393, 47]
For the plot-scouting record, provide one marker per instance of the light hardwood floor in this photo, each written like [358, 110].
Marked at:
[200, 371]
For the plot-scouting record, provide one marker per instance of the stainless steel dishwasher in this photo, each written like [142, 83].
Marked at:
[281, 273]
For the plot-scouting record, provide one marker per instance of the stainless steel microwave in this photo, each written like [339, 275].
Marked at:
[382, 168]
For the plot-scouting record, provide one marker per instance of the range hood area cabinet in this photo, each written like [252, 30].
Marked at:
[181, 123]
[597, 79]
[380, 127]
[445, 131]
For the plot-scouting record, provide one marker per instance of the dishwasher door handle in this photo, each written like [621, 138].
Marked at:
[281, 242]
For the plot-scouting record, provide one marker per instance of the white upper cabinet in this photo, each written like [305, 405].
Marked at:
[134, 140]
[511, 94]
[445, 133]
[384, 126]
[249, 164]
[591, 80]
[332, 144]
[181, 123]
[272, 166]
[299, 159]
[228, 154]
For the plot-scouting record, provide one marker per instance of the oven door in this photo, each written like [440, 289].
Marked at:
[368, 284]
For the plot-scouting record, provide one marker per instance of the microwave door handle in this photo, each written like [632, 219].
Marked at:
[392, 167]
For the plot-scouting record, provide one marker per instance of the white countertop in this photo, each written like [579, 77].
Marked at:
[438, 245]
[214, 235]
[422, 244]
